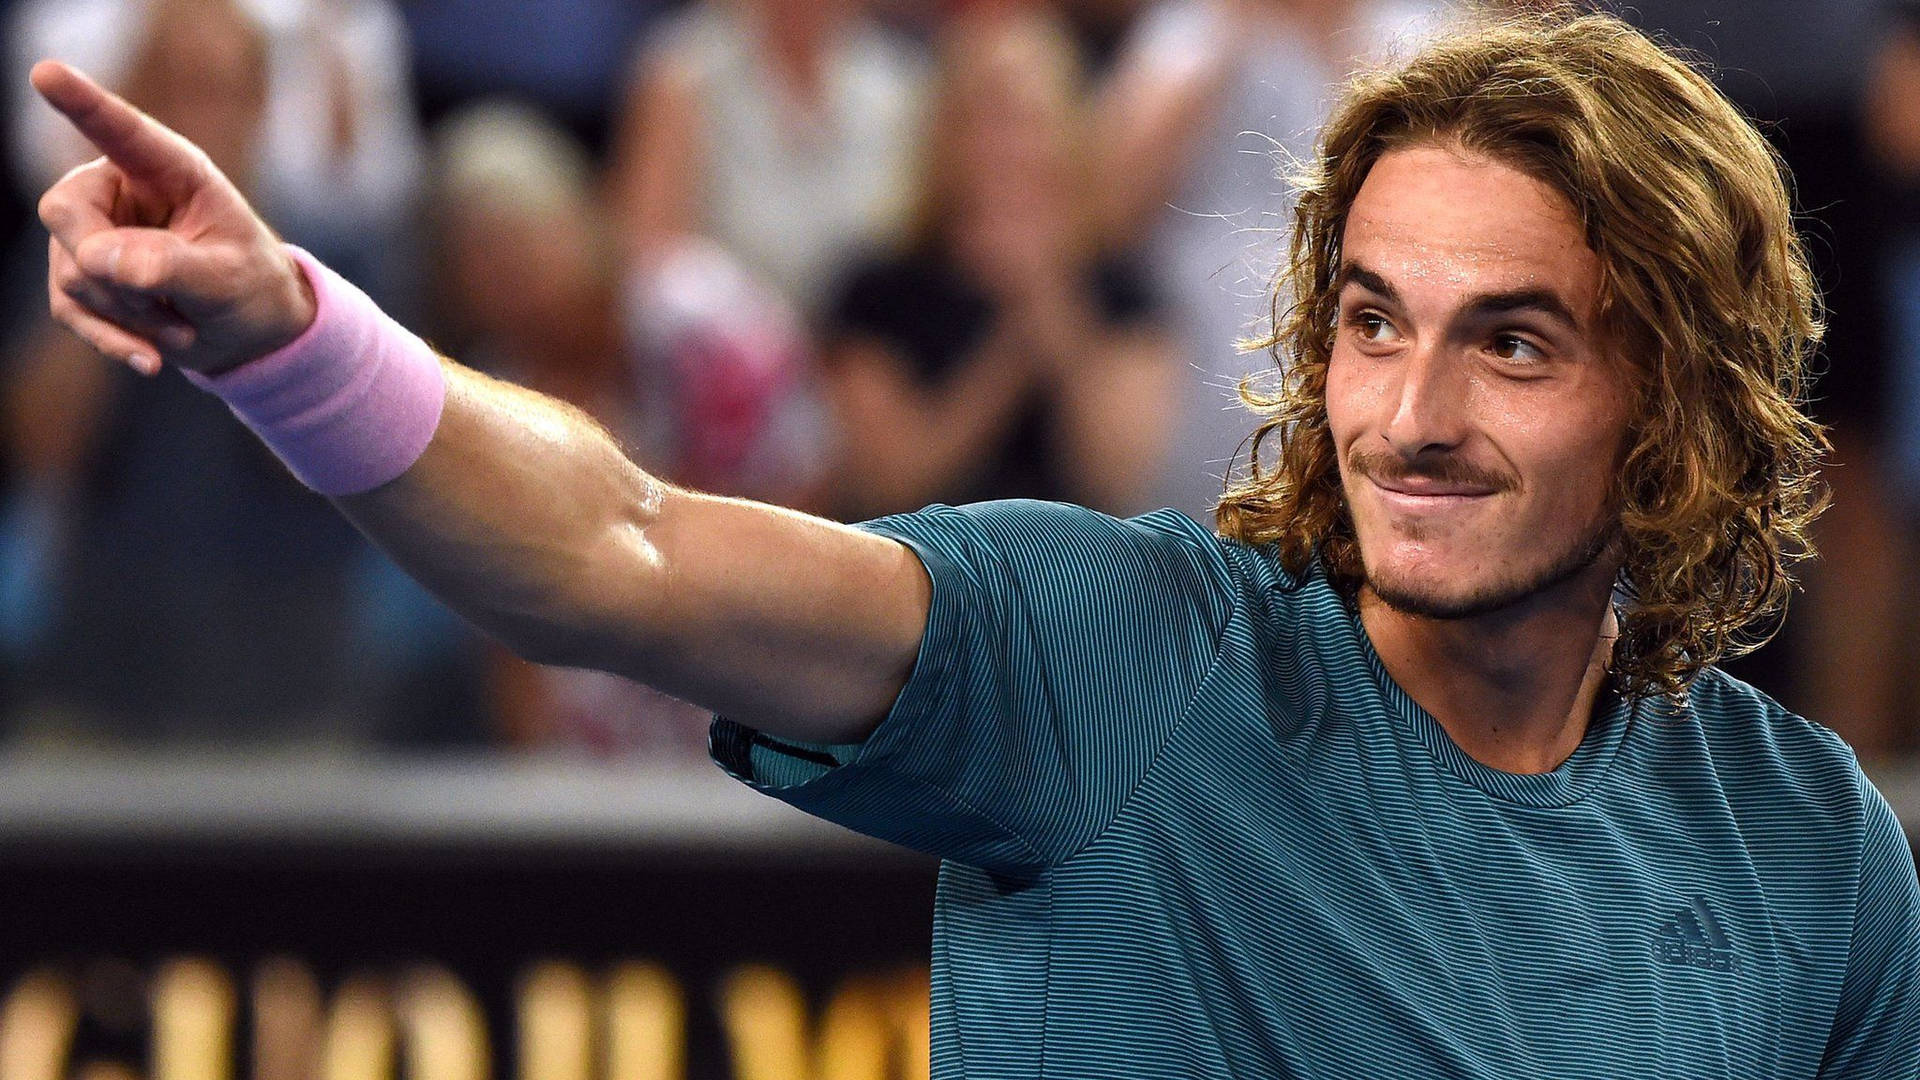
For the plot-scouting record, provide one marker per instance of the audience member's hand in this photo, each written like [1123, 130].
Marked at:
[154, 253]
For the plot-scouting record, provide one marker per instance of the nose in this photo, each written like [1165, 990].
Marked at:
[1428, 399]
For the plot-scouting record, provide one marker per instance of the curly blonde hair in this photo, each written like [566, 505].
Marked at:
[1705, 288]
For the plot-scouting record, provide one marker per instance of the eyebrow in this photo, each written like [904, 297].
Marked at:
[1506, 301]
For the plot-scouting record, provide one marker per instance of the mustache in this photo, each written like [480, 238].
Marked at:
[1385, 466]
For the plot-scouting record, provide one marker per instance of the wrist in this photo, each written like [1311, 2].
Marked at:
[351, 402]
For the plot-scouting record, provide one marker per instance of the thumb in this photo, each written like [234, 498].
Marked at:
[160, 264]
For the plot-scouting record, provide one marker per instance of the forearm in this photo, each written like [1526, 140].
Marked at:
[518, 503]
[525, 517]
[1148, 119]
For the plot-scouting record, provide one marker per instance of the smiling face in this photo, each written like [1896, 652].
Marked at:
[1476, 412]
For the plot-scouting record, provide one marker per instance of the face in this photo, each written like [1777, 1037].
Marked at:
[1478, 417]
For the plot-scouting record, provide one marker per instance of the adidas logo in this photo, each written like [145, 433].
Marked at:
[1693, 938]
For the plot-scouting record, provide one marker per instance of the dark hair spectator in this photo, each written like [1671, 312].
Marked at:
[999, 356]
[168, 577]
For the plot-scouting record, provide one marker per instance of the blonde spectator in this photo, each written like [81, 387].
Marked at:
[528, 285]
[526, 279]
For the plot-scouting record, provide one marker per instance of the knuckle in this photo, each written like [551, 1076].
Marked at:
[144, 267]
[71, 286]
[197, 165]
[100, 342]
[54, 211]
[81, 171]
[69, 281]
[231, 262]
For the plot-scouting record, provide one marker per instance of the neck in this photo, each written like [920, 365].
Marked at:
[1514, 689]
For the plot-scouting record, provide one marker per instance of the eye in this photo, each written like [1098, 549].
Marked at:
[1372, 327]
[1513, 347]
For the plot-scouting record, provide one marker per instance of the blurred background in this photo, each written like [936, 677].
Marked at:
[268, 810]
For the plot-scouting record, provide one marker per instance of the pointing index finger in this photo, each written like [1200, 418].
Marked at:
[146, 150]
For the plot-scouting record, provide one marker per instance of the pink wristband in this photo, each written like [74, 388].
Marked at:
[348, 405]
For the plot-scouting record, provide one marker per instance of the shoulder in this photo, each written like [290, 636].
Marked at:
[1068, 557]
[1058, 531]
[1778, 766]
[1074, 554]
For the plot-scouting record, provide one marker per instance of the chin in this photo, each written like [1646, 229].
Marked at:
[1434, 590]
[1431, 600]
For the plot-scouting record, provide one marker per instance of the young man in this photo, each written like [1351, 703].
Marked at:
[1421, 770]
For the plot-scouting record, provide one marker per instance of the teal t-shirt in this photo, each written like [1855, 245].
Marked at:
[1191, 828]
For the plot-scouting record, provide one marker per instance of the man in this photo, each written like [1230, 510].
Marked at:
[1420, 773]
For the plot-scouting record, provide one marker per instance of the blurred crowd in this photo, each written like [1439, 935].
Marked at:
[851, 256]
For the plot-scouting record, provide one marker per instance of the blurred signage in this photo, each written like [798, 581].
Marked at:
[568, 1022]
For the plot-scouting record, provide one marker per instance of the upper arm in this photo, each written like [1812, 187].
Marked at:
[1876, 1028]
[800, 625]
[1061, 650]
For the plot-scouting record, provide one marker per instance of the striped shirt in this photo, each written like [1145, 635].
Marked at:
[1191, 828]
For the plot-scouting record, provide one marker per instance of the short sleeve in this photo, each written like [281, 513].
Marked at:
[1062, 648]
[1876, 1029]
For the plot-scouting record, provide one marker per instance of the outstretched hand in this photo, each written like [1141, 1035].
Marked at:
[155, 255]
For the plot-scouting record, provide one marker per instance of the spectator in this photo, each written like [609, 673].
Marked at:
[528, 287]
[525, 273]
[1801, 66]
[784, 131]
[998, 357]
[1893, 130]
[155, 626]
[1207, 100]
[186, 586]
[337, 150]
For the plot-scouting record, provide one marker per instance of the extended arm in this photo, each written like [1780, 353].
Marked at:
[520, 512]
[525, 516]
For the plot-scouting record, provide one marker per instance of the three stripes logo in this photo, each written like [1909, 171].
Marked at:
[1693, 938]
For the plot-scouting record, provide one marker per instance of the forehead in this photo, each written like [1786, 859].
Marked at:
[1433, 217]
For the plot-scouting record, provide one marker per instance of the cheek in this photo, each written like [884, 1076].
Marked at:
[1351, 397]
[1576, 454]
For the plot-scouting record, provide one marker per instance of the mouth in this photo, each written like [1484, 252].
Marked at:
[1416, 496]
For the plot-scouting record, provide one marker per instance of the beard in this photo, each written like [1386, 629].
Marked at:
[1428, 602]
